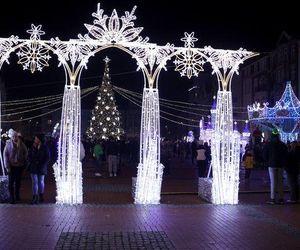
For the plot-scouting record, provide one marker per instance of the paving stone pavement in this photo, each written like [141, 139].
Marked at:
[108, 219]
[199, 226]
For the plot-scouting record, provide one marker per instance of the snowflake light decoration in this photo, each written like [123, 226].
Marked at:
[35, 32]
[114, 29]
[33, 55]
[189, 62]
[189, 40]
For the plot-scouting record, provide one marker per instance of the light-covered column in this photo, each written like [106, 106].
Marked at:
[67, 169]
[225, 153]
[150, 170]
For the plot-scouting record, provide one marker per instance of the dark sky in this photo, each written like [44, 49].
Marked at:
[248, 24]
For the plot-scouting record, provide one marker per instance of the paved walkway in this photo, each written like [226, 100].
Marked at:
[108, 219]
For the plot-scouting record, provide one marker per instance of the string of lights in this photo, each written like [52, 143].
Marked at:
[170, 106]
[179, 102]
[46, 113]
[163, 117]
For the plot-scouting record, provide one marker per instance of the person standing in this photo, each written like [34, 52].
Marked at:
[248, 162]
[275, 154]
[201, 159]
[39, 157]
[112, 153]
[15, 156]
[292, 170]
[98, 152]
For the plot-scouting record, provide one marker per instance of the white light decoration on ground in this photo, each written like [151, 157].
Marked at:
[67, 169]
[119, 32]
[150, 171]
[284, 116]
[225, 145]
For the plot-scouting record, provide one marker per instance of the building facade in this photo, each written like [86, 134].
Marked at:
[265, 78]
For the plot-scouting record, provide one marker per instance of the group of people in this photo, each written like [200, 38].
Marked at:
[18, 158]
[279, 157]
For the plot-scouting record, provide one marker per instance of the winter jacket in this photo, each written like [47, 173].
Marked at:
[98, 151]
[38, 159]
[15, 154]
[275, 154]
[292, 163]
[201, 153]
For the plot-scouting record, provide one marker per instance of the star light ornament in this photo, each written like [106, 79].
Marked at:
[188, 61]
[34, 56]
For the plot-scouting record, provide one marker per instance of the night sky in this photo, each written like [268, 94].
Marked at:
[249, 24]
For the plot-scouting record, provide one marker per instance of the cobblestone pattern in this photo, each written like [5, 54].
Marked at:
[104, 187]
[115, 240]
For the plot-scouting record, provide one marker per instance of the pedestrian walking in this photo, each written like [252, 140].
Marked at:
[15, 156]
[292, 170]
[39, 157]
[275, 154]
[98, 153]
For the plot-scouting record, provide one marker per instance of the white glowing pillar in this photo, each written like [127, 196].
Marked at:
[67, 169]
[150, 171]
[225, 153]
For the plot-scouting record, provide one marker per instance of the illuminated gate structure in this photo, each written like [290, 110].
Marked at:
[120, 32]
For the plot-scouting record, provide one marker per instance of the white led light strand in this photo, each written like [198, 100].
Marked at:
[150, 170]
[67, 169]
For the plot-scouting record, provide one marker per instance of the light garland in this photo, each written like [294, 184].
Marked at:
[86, 93]
[284, 115]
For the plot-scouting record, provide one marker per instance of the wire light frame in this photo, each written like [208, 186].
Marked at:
[120, 32]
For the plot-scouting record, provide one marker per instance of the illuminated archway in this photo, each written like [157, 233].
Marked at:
[114, 31]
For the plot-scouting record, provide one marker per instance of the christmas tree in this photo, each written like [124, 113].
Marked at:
[105, 121]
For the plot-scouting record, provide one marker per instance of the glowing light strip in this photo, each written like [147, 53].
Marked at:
[150, 171]
[1, 157]
[67, 169]
[225, 147]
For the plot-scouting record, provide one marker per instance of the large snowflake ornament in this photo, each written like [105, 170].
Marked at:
[33, 55]
[114, 29]
[189, 62]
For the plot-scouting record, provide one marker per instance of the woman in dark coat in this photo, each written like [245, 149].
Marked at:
[38, 157]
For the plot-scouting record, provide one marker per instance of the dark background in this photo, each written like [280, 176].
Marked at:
[254, 25]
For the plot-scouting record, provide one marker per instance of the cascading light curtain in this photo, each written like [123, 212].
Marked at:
[68, 169]
[150, 170]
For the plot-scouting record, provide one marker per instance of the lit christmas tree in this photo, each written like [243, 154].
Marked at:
[105, 121]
